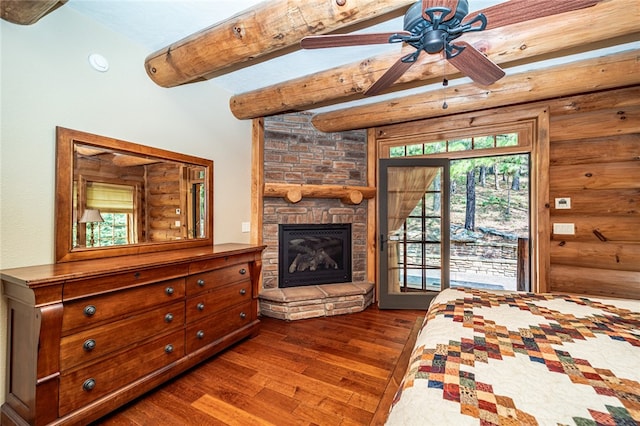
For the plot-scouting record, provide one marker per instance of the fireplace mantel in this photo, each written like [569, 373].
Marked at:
[293, 193]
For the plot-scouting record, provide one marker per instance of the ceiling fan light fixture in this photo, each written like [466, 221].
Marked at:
[434, 41]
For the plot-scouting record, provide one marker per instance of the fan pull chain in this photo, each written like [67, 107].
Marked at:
[445, 83]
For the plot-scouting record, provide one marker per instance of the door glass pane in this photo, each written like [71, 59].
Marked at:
[432, 204]
[489, 213]
[414, 221]
[433, 230]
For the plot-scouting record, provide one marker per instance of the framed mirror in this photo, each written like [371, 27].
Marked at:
[115, 198]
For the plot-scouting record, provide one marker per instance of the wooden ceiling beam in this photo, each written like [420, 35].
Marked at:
[518, 42]
[27, 12]
[617, 70]
[269, 27]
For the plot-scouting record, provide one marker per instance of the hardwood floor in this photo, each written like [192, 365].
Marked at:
[320, 371]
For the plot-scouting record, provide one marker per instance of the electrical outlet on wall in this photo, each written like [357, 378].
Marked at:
[246, 226]
[563, 203]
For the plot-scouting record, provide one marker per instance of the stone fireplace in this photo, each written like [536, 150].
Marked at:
[296, 153]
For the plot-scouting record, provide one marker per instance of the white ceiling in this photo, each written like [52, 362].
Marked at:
[155, 24]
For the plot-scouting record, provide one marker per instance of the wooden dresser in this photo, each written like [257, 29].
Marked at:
[86, 337]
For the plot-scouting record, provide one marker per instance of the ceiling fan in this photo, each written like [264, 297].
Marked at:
[432, 26]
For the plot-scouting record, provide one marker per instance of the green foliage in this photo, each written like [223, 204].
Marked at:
[113, 231]
[494, 200]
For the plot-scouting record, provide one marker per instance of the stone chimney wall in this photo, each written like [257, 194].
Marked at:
[295, 152]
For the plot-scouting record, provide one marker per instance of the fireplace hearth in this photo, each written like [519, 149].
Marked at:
[312, 254]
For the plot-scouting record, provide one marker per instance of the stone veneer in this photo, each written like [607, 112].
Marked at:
[294, 303]
[295, 152]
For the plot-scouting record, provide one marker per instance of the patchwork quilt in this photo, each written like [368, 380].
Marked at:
[509, 358]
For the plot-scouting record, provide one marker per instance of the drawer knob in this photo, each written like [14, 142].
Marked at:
[168, 349]
[243, 271]
[89, 345]
[243, 291]
[243, 315]
[89, 310]
[200, 334]
[168, 317]
[88, 385]
[200, 306]
[201, 283]
[169, 291]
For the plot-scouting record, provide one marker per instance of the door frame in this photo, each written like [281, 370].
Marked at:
[537, 118]
[417, 300]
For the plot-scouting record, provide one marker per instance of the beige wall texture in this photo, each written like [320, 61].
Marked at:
[46, 81]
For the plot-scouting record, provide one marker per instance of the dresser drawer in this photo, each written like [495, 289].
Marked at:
[94, 343]
[216, 326]
[217, 300]
[80, 387]
[208, 280]
[92, 310]
[81, 288]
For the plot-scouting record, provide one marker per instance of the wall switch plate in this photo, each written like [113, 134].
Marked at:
[564, 229]
[246, 226]
[563, 203]
[177, 223]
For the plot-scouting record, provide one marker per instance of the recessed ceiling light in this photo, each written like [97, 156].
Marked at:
[98, 62]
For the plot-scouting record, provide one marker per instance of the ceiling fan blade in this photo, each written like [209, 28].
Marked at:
[449, 4]
[341, 40]
[475, 65]
[389, 77]
[514, 11]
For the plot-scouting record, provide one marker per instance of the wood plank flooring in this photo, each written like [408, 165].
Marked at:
[319, 371]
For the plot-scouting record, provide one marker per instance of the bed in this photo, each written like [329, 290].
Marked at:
[506, 358]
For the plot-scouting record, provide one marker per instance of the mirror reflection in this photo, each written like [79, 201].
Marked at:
[123, 198]
[117, 198]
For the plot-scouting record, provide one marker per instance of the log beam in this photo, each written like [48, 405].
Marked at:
[617, 70]
[27, 12]
[293, 193]
[516, 42]
[269, 27]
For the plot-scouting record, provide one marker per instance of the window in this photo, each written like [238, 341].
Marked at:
[456, 145]
[114, 230]
[115, 202]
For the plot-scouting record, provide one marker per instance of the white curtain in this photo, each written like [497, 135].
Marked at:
[406, 187]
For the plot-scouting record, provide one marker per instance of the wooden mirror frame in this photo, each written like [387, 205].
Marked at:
[64, 250]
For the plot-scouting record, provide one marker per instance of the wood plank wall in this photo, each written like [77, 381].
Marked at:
[164, 195]
[595, 161]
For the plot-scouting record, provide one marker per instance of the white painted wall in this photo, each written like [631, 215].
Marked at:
[46, 81]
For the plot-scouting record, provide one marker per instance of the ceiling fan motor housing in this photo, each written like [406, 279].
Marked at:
[434, 38]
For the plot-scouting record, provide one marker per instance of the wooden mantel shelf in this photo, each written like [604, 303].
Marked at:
[293, 193]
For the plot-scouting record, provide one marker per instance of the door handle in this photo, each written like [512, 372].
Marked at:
[383, 240]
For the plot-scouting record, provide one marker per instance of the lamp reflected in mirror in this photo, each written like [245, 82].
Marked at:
[91, 216]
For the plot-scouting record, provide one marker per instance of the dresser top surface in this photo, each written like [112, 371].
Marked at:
[57, 272]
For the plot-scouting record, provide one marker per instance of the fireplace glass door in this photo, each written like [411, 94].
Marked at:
[311, 254]
[414, 231]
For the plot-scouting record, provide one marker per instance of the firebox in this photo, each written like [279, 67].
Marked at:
[311, 254]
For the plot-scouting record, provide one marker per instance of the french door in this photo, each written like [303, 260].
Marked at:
[413, 231]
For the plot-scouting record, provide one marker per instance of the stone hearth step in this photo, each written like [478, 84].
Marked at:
[294, 303]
